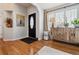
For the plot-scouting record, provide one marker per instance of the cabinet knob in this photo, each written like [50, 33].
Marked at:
[73, 34]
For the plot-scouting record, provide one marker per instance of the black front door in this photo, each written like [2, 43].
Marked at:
[32, 25]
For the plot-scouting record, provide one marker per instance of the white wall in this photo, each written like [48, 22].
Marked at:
[41, 24]
[4, 6]
[21, 32]
[1, 24]
[7, 32]
[41, 21]
[16, 32]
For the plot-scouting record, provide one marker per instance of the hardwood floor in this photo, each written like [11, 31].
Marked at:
[21, 48]
[18, 47]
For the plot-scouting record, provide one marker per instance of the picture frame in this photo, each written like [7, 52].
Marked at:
[20, 20]
[9, 22]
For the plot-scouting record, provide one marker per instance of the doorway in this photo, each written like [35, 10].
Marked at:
[32, 25]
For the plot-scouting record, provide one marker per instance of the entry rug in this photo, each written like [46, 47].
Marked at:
[29, 40]
[51, 51]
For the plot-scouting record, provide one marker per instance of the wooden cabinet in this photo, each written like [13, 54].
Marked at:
[54, 33]
[66, 34]
[59, 34]
[76, 35]
[70, 35]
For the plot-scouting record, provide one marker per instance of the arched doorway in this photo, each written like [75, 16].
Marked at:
[41, 20]
[34, 22]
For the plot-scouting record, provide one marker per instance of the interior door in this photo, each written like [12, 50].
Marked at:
[32, 25]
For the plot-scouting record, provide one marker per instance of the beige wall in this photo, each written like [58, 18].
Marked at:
[6, 6]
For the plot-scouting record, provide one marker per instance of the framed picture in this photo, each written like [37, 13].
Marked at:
[9, 22]
[20, 20]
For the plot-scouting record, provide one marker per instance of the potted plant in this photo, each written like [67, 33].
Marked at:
[76, 23]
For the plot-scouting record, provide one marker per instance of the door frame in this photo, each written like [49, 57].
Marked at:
[29, 24]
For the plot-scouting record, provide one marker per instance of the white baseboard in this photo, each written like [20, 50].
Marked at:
[9, 39]
[39, 39]
[18, 39]
[13, 39]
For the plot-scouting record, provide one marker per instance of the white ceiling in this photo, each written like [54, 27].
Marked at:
[49, 5]
[42, 5]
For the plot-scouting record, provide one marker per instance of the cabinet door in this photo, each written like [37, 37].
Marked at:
[54, 33]
[66, 34]
[76, 40]
[72, 35]
[61, 34]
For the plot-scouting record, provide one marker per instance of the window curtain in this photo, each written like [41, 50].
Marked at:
[50, 20]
